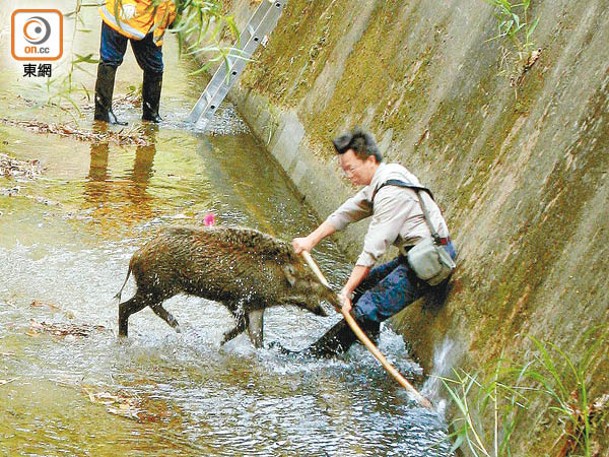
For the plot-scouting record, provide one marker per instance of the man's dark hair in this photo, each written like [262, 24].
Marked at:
[361, 142]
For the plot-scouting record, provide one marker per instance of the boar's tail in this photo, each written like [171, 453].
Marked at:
[118, 295]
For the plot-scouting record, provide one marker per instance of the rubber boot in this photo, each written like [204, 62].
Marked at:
[104, 90]
[340, 338]
[151, 96]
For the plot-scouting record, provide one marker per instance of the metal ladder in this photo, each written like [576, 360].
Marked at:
[260, 25]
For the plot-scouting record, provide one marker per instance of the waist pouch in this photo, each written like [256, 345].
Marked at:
[429, 259]
[431, 262]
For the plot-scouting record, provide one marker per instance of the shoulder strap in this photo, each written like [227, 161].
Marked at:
[400, 183]
[417, 189]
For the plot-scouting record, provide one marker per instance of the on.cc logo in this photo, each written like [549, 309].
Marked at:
[37, 30]
[37, 34]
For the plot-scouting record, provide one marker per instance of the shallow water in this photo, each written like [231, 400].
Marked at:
[65, 243]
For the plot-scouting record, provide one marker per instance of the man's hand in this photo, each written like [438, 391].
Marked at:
[310, 241]
[345, 300]
[345, 296]
[302, 244]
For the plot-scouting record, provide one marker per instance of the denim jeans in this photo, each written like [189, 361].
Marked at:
[389, 288]
[149, 56]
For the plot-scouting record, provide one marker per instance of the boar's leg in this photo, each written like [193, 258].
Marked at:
[237, 313]
[166, 316]
[238, 329]
[255, 320]
[135, 304]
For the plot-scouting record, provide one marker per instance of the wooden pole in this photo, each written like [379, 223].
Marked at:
[366, 341]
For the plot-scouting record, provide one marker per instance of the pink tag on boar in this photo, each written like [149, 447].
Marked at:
[209, 220]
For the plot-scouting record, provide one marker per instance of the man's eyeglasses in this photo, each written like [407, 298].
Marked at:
[348, 171]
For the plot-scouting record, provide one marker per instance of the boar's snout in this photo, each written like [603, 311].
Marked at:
[318, 310]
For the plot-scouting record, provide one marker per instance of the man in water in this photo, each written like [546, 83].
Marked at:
[375, 293]
[143, 24]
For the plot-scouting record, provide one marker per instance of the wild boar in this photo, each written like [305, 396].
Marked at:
[242, 268]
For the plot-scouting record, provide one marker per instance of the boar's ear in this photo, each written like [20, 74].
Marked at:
[290, 273]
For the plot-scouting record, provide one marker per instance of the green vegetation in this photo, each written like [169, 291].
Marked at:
[489, 408]
[571, 399]
[515, 25]
[201, 26]
[62, 91]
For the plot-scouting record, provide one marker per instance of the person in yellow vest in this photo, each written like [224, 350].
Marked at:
[143, 24]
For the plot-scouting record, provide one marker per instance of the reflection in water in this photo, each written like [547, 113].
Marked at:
[114, 201]
[98, 170]
[144, 157]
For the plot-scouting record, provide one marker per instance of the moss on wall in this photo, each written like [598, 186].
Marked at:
[521, 171]
[290, 64]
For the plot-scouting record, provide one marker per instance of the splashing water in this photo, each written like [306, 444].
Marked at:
[442, 367]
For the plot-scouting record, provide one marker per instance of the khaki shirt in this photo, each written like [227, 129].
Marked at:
[397, 216]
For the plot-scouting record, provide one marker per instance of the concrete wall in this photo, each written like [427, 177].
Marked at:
[520, 167]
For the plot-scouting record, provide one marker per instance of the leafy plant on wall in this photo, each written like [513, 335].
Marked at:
[516, 27]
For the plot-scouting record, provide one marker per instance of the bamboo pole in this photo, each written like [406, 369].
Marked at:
[366, 341]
